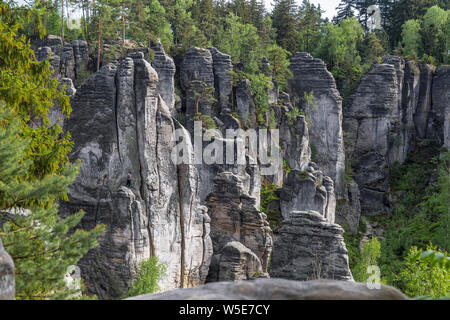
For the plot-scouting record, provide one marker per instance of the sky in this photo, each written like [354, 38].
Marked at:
[328, 5]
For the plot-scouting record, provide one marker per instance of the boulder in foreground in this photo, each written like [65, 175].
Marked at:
[279, 289]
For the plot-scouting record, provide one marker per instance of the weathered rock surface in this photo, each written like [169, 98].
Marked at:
[308, 247]
[308, 190]
[7, 283]
[392, 106]
[235, 262]
[235, 217]
[165, 67]
[222, 79]
[310, 76]
[115, 131]
[196, 76]
[68, 60]
[279, 289]
[371, 122]
[439, 124]
[424, 104]
[244, 102]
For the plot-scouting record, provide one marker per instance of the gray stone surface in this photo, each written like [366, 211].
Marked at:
[222, 79]
[371, 123]
[439, 124]
[165, 67]
[325, 115]
[7, 283]
[308, 248]
[197, 74]
[69, 60]
[115, 130]
[235, 217]
[279, 289]
[424, 104]
[244, 102]
[308, 190]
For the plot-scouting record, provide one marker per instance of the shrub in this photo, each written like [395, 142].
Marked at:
[150, 272]
[423, 276]
[370, 253]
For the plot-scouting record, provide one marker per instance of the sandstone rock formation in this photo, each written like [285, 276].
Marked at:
[222, 77]
[196, 78]
[165, 67]
[7, 283]
[311, 77]
[308, 247]
[236, 218]
[439, 124]
[279, 289]
[116, 131]
[389, 110]
[68, 60]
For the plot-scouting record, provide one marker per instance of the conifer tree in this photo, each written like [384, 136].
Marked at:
[34, 168]
[284, 21]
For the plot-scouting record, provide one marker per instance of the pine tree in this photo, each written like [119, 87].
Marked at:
[34, 168]
[284, 17]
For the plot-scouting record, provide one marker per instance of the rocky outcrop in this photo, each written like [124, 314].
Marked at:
[314, 90]
[424, 104]
[235, 262]
[308, 247]
[244, 103]
[68, 60]
[197, 81]
[222, 78]
[371, 123]
[439, 123]
[391, 108]
[308, 190]
[116, 131]
[236, 218]
[280, 289]
[165, 67]
[7, 283]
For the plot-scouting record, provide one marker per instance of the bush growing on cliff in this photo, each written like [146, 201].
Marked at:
[149, 273]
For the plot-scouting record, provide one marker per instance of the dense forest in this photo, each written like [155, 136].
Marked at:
[36, 174]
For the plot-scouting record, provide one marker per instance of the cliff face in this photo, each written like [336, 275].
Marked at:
[115, 130]
[396, 103]
[204, 220]
[68, 60]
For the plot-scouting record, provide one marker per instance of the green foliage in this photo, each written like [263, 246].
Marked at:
[35, 236]
[370, 253]
[279, 66]
[426, 273]
[34, 168]
[339, 47]
[147, 21]
[241, 41]
[422, 215]
[411, 39]
[436, 29]
[293, 114]
[259, 86]
[207, 121]
[268, 196]
[149, 273]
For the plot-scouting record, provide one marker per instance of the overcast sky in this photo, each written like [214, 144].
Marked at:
[328, 5]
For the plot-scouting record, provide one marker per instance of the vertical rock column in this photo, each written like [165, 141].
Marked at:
[324, 114]
[116, 131]
[7, 284]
